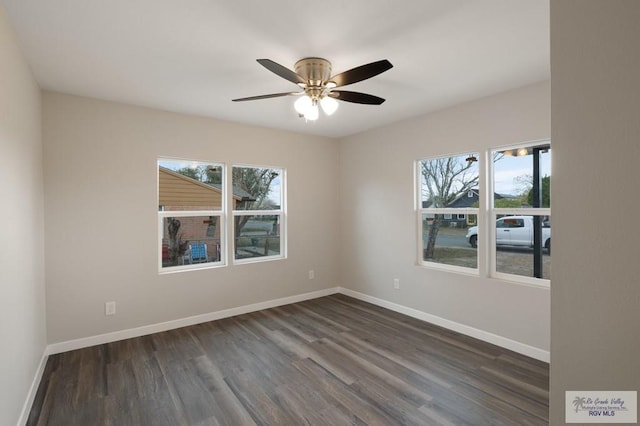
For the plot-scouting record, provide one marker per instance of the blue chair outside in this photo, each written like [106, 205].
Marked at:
[198, 253]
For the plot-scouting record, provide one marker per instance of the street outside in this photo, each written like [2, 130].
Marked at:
[257, 240]
[452, 248]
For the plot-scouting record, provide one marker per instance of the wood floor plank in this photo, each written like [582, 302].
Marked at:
[503, 409]
[262, 407]
[425, 374]
[343, 395]
[333, 360]
[195, 401]
[229, 411]
[391, 403]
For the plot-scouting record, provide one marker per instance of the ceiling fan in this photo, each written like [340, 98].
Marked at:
[313, 75]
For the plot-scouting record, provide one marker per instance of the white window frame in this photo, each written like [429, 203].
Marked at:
[220, 214]
[282, 212]
[489, 244]
[486, 216]
[421, 211]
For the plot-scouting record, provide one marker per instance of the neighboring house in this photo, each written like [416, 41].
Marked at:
[470, 198]
[178, 192]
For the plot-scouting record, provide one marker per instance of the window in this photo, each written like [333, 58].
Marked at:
[521, 211]
[513, 234]
[446, 210]
[191, 196]
[510, 222]
[258, 213]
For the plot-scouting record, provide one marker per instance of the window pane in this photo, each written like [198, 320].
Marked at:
[514, 250]
[513, 177]
[446, 241]
[257, 236]
[190, 240]
[256, 188]
[189, 185]
[449, 182]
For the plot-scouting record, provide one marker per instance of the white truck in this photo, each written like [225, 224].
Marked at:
[514, 231]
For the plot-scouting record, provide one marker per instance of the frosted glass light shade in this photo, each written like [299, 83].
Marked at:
[329, 105]
[312, 113]
[302, 105]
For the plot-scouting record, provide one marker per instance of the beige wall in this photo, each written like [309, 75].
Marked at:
[22, 317]
[101, 222]
[379, 221]
[595, 106]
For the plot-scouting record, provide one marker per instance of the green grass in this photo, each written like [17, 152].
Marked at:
[455, 256]
[448, 231]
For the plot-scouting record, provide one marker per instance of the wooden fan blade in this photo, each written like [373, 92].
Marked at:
[283, 72]
[356, 97]
[272, 95]
[360, 73]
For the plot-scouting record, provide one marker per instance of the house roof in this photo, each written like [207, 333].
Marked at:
[464, 200]
[238, 193]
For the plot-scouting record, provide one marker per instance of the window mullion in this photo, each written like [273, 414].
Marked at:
[257, 218]
[446, 200]
[191, 225]
[510, 247]
[484, 227]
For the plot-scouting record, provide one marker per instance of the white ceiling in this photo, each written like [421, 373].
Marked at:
[194, 56]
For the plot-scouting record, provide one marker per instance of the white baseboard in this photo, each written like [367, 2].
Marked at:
[495, 339]
[69, 345]
[33, 390]
[84, 342]
[486, 336]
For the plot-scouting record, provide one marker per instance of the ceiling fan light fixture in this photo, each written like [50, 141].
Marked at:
[313, 75]
[312, 113]
[303, 104]
[329, 105]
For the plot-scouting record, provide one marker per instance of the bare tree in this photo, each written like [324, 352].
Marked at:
[207, 173]
[177, 247]
[256, 183]
[252, 184]
[444, 180]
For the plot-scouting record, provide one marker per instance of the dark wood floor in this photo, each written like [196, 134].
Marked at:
[328, 361]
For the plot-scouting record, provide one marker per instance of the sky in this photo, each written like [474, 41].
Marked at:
[512, 174]
[508, 169]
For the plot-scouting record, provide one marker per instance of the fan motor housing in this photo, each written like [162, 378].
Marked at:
[315, 70]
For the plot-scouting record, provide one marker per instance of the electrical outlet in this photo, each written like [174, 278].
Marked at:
[110, 308]
[312, 274]
[396, 283]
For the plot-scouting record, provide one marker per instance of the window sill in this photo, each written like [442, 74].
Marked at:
[472, 272]
[258, 260]
[192, 267]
